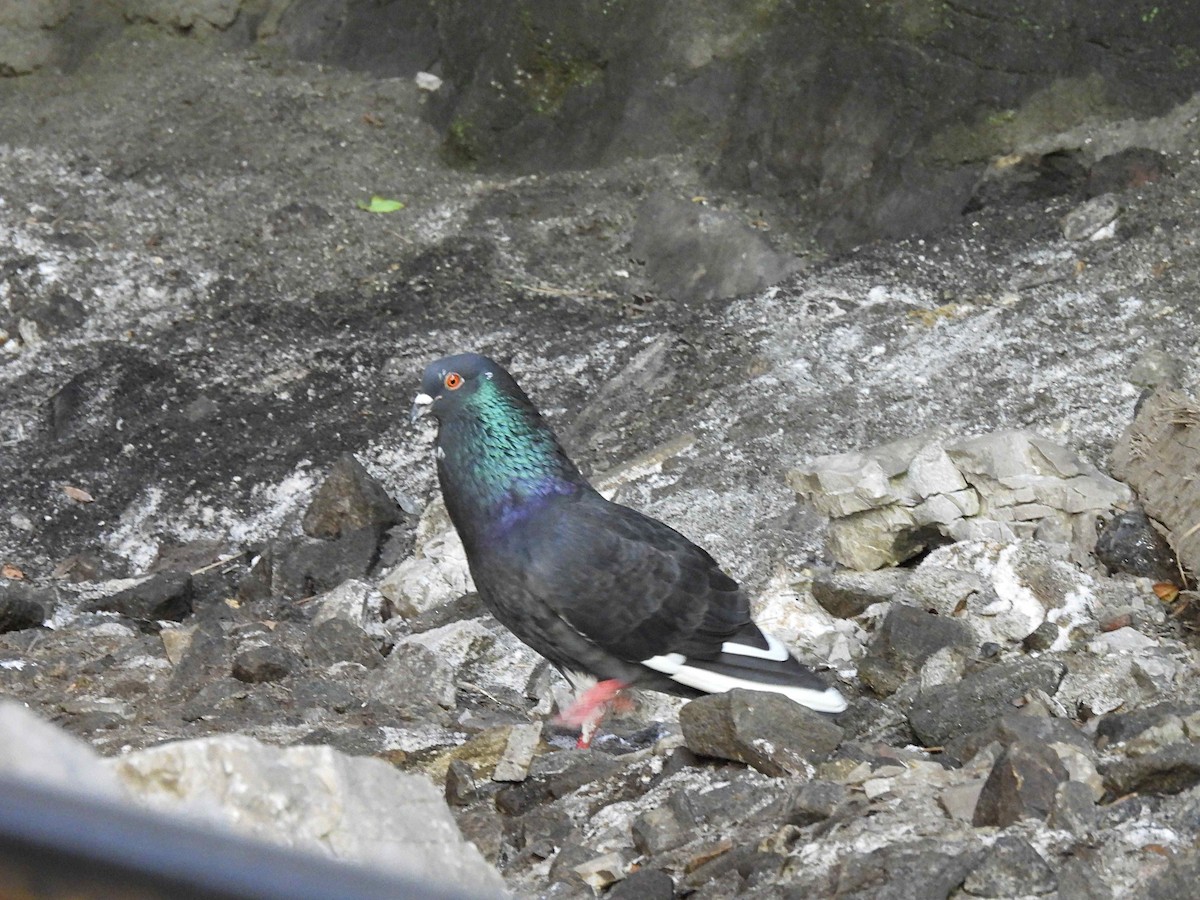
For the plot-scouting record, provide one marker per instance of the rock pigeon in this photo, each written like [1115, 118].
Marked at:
[597, 588]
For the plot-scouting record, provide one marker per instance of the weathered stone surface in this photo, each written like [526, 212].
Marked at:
[1156, 455]
[952, 710]
[907, 637]
[663, 828]
[263, 662]
[167, 595]
[347, 601]
[1129, 543]
[766, 731]
[434, 575]
[1011, 867]
[644, 884]
[349, 499]
[815, 801]
[312, 798]
[1074, 808]
[994, 487]
[21, 606]
[413, 682]
[338, 640]
[1013, 726]
[1092, 220]
[33, 750]
[1022, 784]
[513, 765]
[912, 870]
[1174, 768]
[845, 594]
[696, 253]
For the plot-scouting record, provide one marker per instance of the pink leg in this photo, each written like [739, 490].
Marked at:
[591, 706]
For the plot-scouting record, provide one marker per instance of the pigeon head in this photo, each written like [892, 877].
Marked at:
[454, 385]
[496, 455]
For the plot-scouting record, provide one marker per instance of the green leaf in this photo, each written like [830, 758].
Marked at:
[379, 204]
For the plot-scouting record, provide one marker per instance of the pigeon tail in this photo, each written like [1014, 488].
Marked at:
[755, 660]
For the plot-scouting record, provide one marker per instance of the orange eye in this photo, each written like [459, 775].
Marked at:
[453, 381]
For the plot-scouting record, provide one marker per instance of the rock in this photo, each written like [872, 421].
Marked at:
[766, 731]
[461, 788]
[815, 801]
[947, 711]
[514, 764]
[1043, 637]
[1092, 220]
[554, 775]
[1157, 455]
[337, 640]
[347, 601]
[166, 596]
[907, 637]
[1013, 726]
[32, 750]
[1133, 167]
[305, 567]
[663, 828]
[21, 606]
[315, 799]
[1074, 808]
[693, 252]
[263, 663]
[349, 500]
[644, 884]
[942, 589]
[886, 502]
[960, 800]
[435, 574]
[1170, 770]
[1010, 868]
[846, 594]
[413, 682]
[917, 869]
[1129, 543]
[1022, 784]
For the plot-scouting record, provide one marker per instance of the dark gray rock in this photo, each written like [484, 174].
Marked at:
[1118, 727]
[1170, 770]
[695, 253]
[1082, 876]
[1011, 867]
[908, 637]
[644, 884]
[846, 594]
[766, 731]
[166, 596]
[947, 711]
[1130, 544]
[663, 828]
[554, 775]
[338, 640]
[1042, 637]
[920, 870]
[1016, 726]
[462, 788]
[1021, 785]
[21, 606]
[1074, 808]
[266, 662]
[305, 567]
[412, 683]
[816, 801]
[1179, 880]
[349, 500]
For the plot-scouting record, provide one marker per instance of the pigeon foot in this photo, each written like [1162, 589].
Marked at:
[590, 708]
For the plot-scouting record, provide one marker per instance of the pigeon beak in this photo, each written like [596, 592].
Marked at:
[421, 405]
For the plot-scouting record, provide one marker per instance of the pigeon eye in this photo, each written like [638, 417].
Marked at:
[453, 381]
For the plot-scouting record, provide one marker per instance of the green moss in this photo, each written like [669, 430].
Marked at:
[547, 78]
[461, 147]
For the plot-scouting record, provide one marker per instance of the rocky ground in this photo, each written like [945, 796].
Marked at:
[216, 519]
